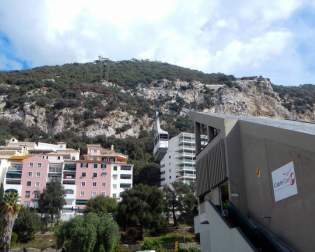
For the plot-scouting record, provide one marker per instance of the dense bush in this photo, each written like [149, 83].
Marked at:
[89, 233]
[26, 225]
[151, 244]
[101, 204]
[297, 98]
[142, 206]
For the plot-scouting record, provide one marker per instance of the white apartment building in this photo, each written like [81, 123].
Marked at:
[178, 164]
[121, 179]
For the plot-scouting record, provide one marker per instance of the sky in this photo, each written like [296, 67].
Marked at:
[272, 38]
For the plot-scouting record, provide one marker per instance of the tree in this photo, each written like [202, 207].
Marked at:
[10, 208]
[181, 202]
[89, 233]
[52, 200]
[107, 234]
[101, 204]
[142, 206]
[149, 175]
[1, 193]
[26, 224]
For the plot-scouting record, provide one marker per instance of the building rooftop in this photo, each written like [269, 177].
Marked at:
[18, 158]
[298, 126]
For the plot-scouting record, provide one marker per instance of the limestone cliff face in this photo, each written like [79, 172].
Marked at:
[253, 96]
[250, 96]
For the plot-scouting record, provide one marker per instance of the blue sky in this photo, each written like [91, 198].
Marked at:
[273, 38]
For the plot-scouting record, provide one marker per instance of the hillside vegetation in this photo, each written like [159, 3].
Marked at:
[114, 102]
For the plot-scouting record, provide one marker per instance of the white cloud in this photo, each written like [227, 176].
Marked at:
[237, 37]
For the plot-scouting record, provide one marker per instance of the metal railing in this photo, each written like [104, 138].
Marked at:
[260, 237]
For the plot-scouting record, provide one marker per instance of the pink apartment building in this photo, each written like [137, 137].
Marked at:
[93, 178]
[100, 172]
[33, 179]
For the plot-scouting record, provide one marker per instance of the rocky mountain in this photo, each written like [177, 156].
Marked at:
[118, 99]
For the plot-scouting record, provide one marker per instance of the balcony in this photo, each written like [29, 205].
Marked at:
[69, 167]
[68, 182]
[13, 181]
[13, 175]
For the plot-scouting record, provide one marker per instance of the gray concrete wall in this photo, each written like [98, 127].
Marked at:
[234, 162]
[254, 148]
[266, 148]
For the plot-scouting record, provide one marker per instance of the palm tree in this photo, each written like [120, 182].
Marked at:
[10, 209]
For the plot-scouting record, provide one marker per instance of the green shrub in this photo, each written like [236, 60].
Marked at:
[26, 225]
[151, 244]
[101, 204]
[192, 249]
[89, 233]
[14, 238]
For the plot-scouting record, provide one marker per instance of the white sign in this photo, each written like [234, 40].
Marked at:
[284, 182]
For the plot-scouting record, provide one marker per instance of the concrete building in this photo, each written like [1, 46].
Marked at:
[92, 179]
[119, 174]
[27, 147]
[13, 177]
[255, 184]
[33, 179]
[178, 164]
[100, 172]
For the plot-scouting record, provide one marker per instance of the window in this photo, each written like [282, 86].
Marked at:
[31, 165]
[69, 191]
[82, 184]
[115, 176]
[94, 174]
[81, 193]
[30, 174]
[103, 184]
[103, 193]
[115, 168]
[103, 174]
[114, 186]
[95, 165]
[125, 185]
[37, 174]
[94, 184]
[114, 195]
[170, 177]
[84, 165]
[36, 194]
[37, 184]
[103, 166]
[83, 174]
[27, 194]
[39, 165]
[125, 168]
[28, 183]
[93, 194]
[125, 176]
[58, 157]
